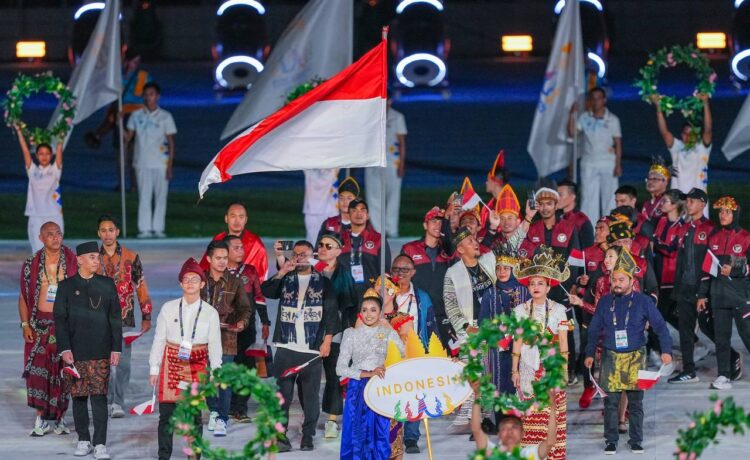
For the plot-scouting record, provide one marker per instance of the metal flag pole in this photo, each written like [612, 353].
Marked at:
[383, 240]
[122, 168]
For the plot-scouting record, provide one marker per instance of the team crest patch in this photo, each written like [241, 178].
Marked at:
[561, 238]
[522, 252]
[702, 236]
[417, 257]
[637, 270]
[737, 248]
[369, 245]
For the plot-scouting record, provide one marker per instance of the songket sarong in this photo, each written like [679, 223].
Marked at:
[365, 435]
[177, 374]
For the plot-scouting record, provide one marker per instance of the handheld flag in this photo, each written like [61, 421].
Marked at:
[296, 369]
[257, 350]
[647, 379]
[72, 371]
[130, 337]
[146, 407]
[576, 258]
[470, 200]
[318, 265]
[711, 264]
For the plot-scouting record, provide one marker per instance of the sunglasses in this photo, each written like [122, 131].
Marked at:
[328, 246]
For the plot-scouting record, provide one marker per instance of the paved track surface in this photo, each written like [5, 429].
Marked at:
[666, 406]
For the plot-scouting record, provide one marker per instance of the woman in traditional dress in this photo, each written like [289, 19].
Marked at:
[365, 434]
[539, 275]
[502, 298]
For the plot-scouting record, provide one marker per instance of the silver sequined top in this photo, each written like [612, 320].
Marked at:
[364, 349]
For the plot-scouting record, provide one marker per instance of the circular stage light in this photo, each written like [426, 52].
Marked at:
[238, 71]
[421, 69]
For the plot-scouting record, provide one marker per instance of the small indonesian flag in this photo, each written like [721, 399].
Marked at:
[343, 382]
[257, 350]
[130, 337]
[318, 265]
[576, 258]
[647, 379]
[296, 369]
[146, 407]
[711, 264]
[455, 345]
[72, 371]
[505, 343]
[599, 390]
[470, 199]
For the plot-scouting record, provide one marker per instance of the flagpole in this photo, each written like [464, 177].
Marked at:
[122, 168]
[384, 239]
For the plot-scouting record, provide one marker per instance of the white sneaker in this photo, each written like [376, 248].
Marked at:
[145, 235]
[160, 235]
[700, 351]
[41, 427]
[332, 430]
[721, 383]
[100, 452]
[61, 428]
[220, 430]
[83, 449]
[212, 421]
[117, 411]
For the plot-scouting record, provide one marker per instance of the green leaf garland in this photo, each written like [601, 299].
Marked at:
[705, 426]
[304, 88]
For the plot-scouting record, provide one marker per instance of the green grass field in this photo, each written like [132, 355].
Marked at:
[271, 212]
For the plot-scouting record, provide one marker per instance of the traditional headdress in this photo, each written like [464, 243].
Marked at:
[504, 255]
[349, 184]
[507, 201]
[470, 213]
[625, 263]
[546, 193]
[498, 174]
[86, 248]
[191, 266]
[461, 234]
[391, 284]
[658, 166]
[546, 264]
[726, 202]
[620, 228]
[372, 293]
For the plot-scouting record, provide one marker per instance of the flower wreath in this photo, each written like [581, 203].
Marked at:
[268, 420]
[304, 88]
[691, 107]
[500, 332]
[25, 86]
[706, 426]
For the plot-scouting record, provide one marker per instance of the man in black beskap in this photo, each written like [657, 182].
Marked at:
[693, 237]
[362, 248]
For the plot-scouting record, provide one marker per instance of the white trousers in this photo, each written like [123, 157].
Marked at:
[597, 185]
[373, 189]
[35, 223]
[312, 225]
[152, 187]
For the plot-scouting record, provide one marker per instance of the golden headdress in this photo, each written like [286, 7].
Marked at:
[504, 255]
[726, 202]
[546, 263]
[391, 284]
[659, 167]
[620, 227]
[625, 263]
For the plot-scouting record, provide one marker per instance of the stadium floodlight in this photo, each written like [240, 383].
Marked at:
[226, 64]
[711, 40]
[407, 3]
[424, 58]
[517, 43]
[31, 49]
[595, 3]
[599, 63]
[249, 3]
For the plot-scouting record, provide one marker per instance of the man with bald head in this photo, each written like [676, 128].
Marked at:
[39, 278]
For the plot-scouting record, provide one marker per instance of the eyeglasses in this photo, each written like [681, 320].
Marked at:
[191, 280]
[300, 255]
[328, 246]
[401, 269]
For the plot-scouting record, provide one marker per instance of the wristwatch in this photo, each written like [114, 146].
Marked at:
[24, 324]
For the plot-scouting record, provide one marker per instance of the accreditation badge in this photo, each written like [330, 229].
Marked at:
[51, 293]
[621, 339]
[185, 348]
[358, 273]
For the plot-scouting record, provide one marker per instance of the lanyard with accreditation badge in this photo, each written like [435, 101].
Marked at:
[186, 346]
[621, 335]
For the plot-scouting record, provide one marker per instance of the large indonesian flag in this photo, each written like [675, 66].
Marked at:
[338, 124]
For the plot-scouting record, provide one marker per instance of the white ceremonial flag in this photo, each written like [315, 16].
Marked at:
[317, 43]
[738, 139]
[97, 78]
[563, 85]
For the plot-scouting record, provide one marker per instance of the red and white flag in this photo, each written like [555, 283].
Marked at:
[318, 265]
[257, 350]
[711, 264]
[647, 379]
[598, 391]
[72, 371]
[576, 258]
[338, 124]
[470, 199]
[130, 337]
[295, 370]
[146, 407]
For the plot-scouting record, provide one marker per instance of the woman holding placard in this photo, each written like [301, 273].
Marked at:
[365, 435]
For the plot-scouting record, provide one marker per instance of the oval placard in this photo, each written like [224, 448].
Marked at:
[418, 388]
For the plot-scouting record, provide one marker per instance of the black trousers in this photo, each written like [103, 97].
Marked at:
[308, 383]
[574, 366]
[333, 401]
[688, 315]
[583, 333]
[100, 416]
[667, 307]
[165, 433]
[723, 329]
[244, 339]
[611, 416]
